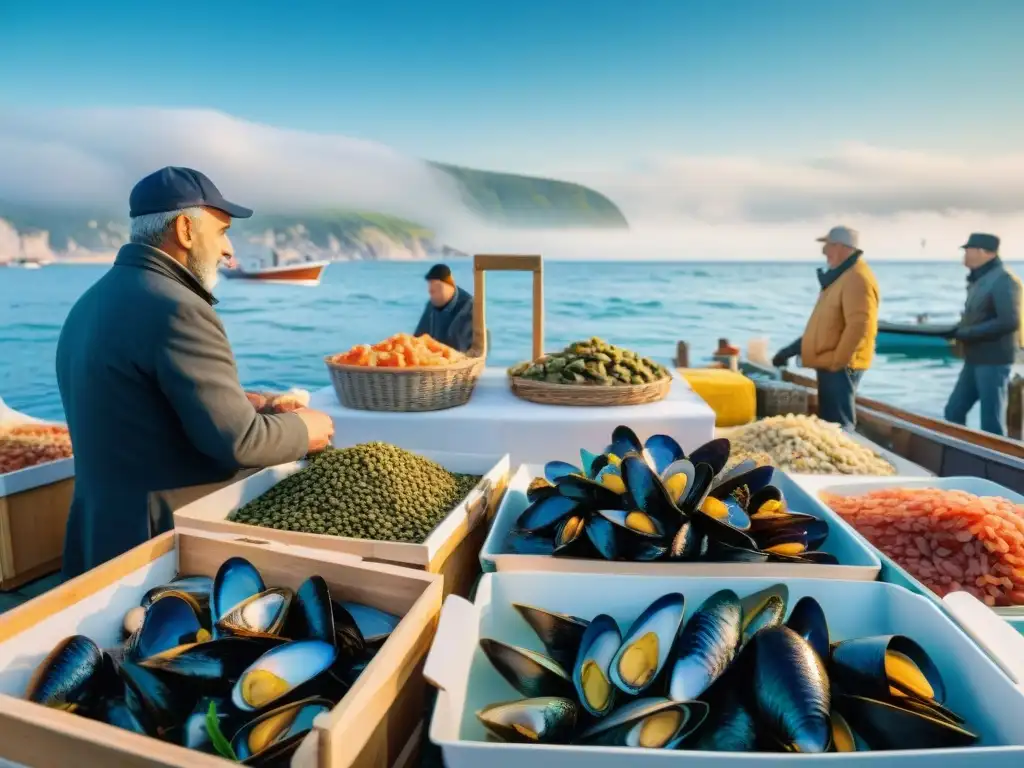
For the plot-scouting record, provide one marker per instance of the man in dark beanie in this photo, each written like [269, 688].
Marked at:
[989, 333]
[448, 316]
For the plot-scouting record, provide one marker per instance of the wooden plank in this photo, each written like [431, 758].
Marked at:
[507, 263]
[36, 523]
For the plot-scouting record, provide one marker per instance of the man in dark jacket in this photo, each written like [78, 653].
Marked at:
[448, 316]
[148, 380]
[990, 334]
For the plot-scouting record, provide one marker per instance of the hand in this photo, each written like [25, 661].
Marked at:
[319, 426]
[780, 359]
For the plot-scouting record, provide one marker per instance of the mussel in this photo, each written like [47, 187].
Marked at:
[585, 491]
[116, 712]
[730, 726]
[663, 450]
[531, 673]
[312, 614]
[276, 734]
[237, 579]
[540, 488]
[653, 723]
[591, 670]
[63, 679]
[261, 615]
[637, 535]
[546, 720]
[198, 587]
[374, 625]
[706, 646]
[213, 665]
[646, 492]
[561, 634]
[160, 706]
[556, 470]
[766, 608]
[646, 645]
[714, 453]
[546, 513]
[888, 665]
[170, 622]
[808, 621]
[791, 690]
[624, 440]
[885, 725]
[281, 672]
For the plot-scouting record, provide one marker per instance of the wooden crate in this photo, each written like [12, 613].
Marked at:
[34, 506]
[452, 549]
[376, 725]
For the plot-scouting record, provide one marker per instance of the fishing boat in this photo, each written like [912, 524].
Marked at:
[295, 273]
[920, 337]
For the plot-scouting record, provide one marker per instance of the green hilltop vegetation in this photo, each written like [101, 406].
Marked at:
[513, 200]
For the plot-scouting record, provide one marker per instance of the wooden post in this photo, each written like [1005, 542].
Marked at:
[501, 263]
[1015, 408]
[682, 355]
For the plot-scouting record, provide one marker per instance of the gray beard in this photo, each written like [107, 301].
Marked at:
[206, 275]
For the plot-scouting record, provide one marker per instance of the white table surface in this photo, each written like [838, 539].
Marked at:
[495, 421]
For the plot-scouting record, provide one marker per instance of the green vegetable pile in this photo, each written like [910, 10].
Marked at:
[593, 361]
[370, 491]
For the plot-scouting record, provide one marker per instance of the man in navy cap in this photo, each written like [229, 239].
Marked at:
[990, 335]
[448, 316]
[148, 380]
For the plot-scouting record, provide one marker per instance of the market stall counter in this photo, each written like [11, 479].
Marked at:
[495, 422]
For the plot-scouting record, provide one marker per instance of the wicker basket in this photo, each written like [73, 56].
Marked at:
[589, 395]
[430, 388]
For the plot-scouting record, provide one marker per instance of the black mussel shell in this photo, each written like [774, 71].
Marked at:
[170, 621]
[155, 702]
[546, 513]
[312, 613]
[730, 725]
[740, 469]
[522, 543]
[556, 470]
[719, 552]
[715, 452]
[885, 725]
[624, 440]
[791, 691]
[663, 451]
[636, 522]
[237, 579]
[198, 587]
[703, 477]
[652, 723]
[706, 647]
[678, 479]
[561, 634]
[214, 666]
[728, 511]
[885, 665]
[744, 486]
[540, 488]
[601, 535]
[647, 646]
[763, 609]
[531, 673]
[348, 671]
[375, 626]
[591, 673]
[64, 679]
[571, 539]
[611, 479]
[791, 536]
[720, 532]
[587, 492]
[688, 544]
[770, 493]
[262, 615]
[646, 492]
[546, 720]
[808, 621]
[283, 674]
[593, 462]
[277, 734]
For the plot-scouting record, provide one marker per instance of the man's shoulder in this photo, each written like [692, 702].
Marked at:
[862, 277]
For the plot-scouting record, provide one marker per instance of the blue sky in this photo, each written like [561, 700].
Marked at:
[550, 85]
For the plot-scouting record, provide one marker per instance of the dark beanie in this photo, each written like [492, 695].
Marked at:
[441, 272]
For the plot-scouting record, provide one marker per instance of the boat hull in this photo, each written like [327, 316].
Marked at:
[910, 338]
[292, 274]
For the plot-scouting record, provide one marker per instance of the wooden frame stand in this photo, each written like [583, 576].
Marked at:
[504, 263]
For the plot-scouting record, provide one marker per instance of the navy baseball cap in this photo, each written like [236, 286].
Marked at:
[175, 189]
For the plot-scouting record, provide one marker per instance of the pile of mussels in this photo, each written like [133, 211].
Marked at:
[732, 678]
[267, 660]
[650, 501]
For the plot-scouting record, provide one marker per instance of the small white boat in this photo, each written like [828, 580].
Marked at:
[300, 273]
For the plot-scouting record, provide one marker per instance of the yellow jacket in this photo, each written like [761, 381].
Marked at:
[842, 328]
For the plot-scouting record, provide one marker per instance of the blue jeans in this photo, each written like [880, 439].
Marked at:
[987, 384]
[837, 396]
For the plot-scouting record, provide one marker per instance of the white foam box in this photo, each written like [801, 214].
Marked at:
[34, 506]
[892, 571]
[451, 549]
[857, 560]
[376, 725]
[976, 688]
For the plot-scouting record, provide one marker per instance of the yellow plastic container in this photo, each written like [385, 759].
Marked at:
[732, 396]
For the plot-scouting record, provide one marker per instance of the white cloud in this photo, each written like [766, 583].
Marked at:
[679, 207]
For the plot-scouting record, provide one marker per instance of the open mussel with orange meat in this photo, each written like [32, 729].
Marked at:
[257, 663]
[653, 501]
[727, 674]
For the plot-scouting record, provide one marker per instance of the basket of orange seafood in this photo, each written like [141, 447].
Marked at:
[405, 373]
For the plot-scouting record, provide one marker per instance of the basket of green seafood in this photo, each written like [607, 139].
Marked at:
[591, 373]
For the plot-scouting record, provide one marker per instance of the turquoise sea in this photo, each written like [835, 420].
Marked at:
[280, 334]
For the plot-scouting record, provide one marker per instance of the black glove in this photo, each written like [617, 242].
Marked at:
[780, 359]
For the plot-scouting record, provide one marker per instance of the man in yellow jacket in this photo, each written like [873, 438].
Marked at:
[839, 341]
